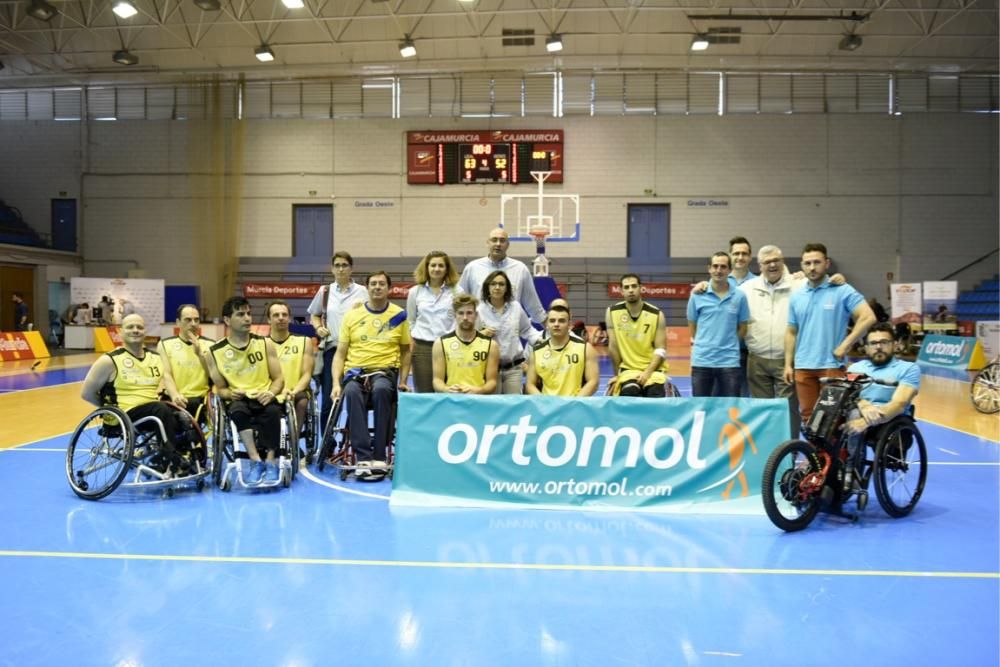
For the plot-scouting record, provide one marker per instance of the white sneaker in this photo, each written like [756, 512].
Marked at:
[363, 469]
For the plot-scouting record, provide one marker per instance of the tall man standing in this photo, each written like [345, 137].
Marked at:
[717, 320]
[326, 313]
[521, 282]
[815, 344]
[374, 341]
[637, 341]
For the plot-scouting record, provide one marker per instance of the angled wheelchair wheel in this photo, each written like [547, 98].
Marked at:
[292, 440]
[334, 435]
[900, 467]
[789, 504]
[985, 390]
[100, 453]
[222, 448]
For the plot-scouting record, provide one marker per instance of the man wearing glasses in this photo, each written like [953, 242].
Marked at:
[880, 403]
[327, 312]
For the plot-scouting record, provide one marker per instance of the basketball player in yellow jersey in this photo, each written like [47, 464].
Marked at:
[374, 340]
[465, 361]
[562, 365]
[244, 368]
[637, 341]
[185, 371]
[295, 356]
[130, 378]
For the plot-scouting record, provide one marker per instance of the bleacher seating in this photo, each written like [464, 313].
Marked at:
[983, 303]
[14, 230]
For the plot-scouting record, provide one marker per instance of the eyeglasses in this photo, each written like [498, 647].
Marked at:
[341, 266]
[880, 343]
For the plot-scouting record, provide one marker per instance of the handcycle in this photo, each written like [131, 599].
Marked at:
[108, 450]
[821, 472]
[985, 389]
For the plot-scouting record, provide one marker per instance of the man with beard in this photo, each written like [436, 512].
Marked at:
[637, 341]
[880, 403]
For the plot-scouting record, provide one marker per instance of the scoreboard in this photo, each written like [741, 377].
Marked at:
[488, 156]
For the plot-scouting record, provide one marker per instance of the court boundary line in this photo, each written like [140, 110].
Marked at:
[305, 472]
[465, 565]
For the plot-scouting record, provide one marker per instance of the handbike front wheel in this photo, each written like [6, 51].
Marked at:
[788, 506]
[900, 467]
[985, 390]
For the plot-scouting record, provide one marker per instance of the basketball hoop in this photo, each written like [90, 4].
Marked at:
[541, 264]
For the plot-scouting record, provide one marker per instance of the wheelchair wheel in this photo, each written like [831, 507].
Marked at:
[900, 467]
[292, 439]
[787, 505]
[222, 448]
[334, 436]
[985, 390]
[100, 453]
[313, 428]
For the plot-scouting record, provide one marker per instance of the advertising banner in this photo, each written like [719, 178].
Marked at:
[655, 290]
[954, 352]
[988, 335]
[701, 455]
[906, 304]
[940, 301]
[16, 345]
[122, 297]
[264, 290]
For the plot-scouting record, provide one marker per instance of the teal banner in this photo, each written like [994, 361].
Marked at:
[956, 352]
[683, 454]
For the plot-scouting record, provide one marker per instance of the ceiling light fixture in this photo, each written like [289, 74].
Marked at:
[124, 9]
[850, 43]
[554, 44]
[293, 4]
[123, 57]
[42, 10]
[208, 5]
[264, 53]
[407, 48]
[699, 43]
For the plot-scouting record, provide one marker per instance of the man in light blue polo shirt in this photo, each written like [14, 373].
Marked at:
[717, 319]
[880, 403]
[815, 344]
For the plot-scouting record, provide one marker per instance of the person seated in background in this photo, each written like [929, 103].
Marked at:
[185, 373]
[637, 342]
[295, 356]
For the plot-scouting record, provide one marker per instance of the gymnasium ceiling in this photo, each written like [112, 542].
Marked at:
[176, 39]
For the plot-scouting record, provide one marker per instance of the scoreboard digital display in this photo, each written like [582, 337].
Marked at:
[493, 156]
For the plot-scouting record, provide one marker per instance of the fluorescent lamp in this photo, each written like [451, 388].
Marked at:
[124, 9]
[407, 48]
[42, 10]
[293, 4]
[553, 44]
[699, 43]
[123, 57]
[264, 53]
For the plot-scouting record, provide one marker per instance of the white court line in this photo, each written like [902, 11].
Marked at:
[947, 451]
[25, 444]
[308, 475]
[963, 463]
[34, 449]
[958, 430]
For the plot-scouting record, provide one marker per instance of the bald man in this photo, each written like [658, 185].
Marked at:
[521, 282]
[131, 378]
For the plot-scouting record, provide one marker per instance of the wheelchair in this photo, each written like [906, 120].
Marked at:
[336, 449]
[669, 388]
[311, 430]
[228, 451]
[802, 477]
[985, 389]
[109, 450]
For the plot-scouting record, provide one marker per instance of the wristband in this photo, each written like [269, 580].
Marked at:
[660, 352]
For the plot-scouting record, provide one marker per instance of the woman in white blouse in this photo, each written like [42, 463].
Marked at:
[428, 310]
[504, 320]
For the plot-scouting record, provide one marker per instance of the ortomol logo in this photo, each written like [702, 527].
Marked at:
[954, 350]
[560, 445]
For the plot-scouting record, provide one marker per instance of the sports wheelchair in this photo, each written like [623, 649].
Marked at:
[311, 429]
[985, 388]
[109, 450]
[336, 449]
[229, 451]
[802, 477]
[669, 389]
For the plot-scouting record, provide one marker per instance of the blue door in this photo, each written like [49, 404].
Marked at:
[648, 233]
[64, 224]
[313, 231]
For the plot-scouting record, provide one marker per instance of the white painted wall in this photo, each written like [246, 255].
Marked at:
[914, 195]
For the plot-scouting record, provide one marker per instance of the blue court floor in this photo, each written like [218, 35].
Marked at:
[326, 573]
